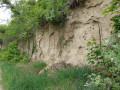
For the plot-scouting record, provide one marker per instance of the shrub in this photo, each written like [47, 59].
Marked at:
[12, 53]
[106, 63]
[106, 58]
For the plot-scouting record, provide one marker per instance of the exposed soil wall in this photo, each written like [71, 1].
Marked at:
[69, 43]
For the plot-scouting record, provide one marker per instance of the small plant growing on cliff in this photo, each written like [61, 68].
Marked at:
[114, 9]
[95, 52]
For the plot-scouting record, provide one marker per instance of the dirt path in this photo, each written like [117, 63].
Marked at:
[0, 81]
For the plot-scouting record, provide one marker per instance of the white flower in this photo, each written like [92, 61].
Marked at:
[112, 59]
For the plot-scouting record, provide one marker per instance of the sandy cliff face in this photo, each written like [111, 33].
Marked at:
[69, 43]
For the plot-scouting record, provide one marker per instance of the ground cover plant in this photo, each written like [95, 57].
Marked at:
[32, 67]
[14, 78]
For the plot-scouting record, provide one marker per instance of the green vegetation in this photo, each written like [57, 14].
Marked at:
[14, 78]
[106, 58]
[31, 15]
[3, 28]
[32, 67]
[107, 67]
[28, 16]
[39, 65]
[12, 54]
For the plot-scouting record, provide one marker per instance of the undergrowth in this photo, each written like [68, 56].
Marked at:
[74, 78]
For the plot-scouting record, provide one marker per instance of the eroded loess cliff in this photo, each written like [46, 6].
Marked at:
[69, 43]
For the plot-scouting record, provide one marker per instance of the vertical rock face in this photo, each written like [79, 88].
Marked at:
[69, 43]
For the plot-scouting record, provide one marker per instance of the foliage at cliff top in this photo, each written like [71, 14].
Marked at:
[30, 15]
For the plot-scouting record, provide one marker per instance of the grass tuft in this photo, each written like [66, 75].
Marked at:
[39, 65]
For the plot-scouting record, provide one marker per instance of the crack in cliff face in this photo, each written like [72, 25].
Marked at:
[92, 3]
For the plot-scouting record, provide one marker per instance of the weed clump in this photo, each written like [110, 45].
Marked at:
[39, 65]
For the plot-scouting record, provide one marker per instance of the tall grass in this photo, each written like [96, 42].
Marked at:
[74, 78]
[39, 65]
